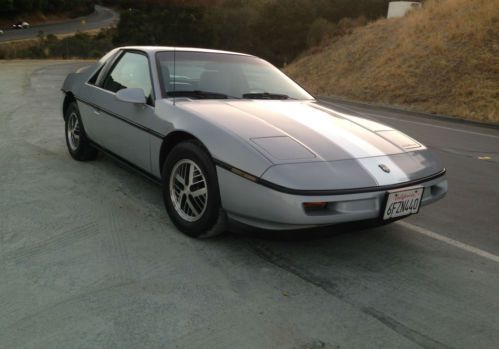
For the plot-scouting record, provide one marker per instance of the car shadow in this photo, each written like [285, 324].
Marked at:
[150, 190]
[309, 234]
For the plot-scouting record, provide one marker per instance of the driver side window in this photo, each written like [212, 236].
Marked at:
[132, 71]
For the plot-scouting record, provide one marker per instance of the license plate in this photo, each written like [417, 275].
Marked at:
[403, 202]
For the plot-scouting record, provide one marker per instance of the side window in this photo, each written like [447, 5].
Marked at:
[132, 71]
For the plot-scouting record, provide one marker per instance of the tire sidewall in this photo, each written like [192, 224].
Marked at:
[79, 153]
[194, 152]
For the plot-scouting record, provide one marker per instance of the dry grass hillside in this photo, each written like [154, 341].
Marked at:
[442, 59]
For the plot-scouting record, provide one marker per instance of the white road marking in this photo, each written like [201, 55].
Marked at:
[449, 241]
[413, 122]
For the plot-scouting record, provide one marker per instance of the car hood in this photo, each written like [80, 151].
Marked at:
[314, 147]
[303, 131]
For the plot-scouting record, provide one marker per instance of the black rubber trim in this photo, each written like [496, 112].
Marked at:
[131, 123]
[286, 190]
[223, 165]
[126, 163]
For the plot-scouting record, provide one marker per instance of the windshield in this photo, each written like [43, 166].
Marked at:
[207, 75]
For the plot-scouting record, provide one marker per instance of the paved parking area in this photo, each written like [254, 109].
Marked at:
[89, 258]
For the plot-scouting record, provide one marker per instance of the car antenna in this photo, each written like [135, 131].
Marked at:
[174, 75]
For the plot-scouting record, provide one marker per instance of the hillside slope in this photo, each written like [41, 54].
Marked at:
[442, 59]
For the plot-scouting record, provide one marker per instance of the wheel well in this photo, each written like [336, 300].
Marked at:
[170, 141]
[67, 101]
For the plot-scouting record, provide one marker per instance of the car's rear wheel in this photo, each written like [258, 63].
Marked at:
[79, 146]
[190, 191]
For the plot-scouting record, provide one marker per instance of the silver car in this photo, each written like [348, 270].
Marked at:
[232, 139]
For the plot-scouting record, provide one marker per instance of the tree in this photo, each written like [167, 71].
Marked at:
[171, 25]
[6, 6]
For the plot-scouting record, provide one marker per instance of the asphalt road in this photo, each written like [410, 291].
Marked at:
[89, 258]
[102, 17]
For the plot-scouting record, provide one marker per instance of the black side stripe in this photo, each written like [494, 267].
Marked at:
[128, 121]
[305, 192]
[251, 177]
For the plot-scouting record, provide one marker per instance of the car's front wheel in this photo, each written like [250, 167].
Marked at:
[190, 191]
[78, 144]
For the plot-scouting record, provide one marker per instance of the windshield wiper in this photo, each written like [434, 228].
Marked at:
[198, 94]
[265, 95]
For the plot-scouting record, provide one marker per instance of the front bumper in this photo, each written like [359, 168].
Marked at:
[256, 205]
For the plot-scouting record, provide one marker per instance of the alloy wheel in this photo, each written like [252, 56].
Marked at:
[73, 131]
[188, 190]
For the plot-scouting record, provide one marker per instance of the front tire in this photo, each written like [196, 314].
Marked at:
[190, 191]
[79, 146]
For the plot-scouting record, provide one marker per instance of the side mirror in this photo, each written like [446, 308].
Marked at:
[131, 95]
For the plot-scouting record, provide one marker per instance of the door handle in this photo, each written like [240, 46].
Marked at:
[96, 111]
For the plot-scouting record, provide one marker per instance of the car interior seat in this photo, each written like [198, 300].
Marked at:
[214, 81]
[231, 83]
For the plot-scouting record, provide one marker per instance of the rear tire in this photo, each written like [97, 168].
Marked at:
[79, 146]
[190, 191]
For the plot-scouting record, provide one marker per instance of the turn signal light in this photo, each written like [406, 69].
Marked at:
[315, 205]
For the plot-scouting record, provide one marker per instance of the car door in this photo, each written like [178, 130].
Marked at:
[123, 128]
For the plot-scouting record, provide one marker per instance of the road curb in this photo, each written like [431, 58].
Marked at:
[392, 108]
